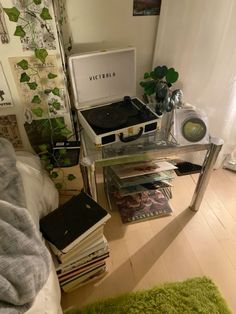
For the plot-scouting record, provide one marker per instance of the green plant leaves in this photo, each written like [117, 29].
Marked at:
[58, 185]
[56, 105]
[160, 71]
[45, 15]
[38, 112]
[23, 64]
[19, 31]
[71, 177]
[66, 162]
[12, 13]
[36, 99]
[41, 54]
[62, 151]
[146, 75]
[24, 78]
[149, 87]
[49, 167]
[56, 91]
[43, 147]
[37, 2]
[51, 76]
[171, 76]
[32, 85]
[44, 157]
[54, 175]
[65, 132]
[47, 91]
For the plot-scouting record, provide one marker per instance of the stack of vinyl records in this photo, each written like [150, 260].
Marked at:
[74, 232]
[142, 189]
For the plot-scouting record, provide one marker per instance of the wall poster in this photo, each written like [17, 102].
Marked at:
[9, 130]
[41, 86]
[36, 20]
[5, 95]
[4, 36]
[146, 7]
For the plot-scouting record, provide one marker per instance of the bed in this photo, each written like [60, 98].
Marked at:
[32, 197]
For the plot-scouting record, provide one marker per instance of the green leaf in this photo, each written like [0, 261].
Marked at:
[41, 54]
[32, 85]
[66, 162]
[58, 185]
[160, 71]
[20, 32]
[146, 75]
[45, 15]
[51, 76]
[49, 167]
[24, 78]
[62, 151]
[171, 76]
[23, 64]
[153, 75]
[56, 91]
[37, 2]
[56, 105]
[38, 112]
[71, 177]
[44, 157]
[54, 175]
[149, 87]
[60, 124]
[43, 147]
[36, 99]
[65, 132]
[47, 91]
[12, 13]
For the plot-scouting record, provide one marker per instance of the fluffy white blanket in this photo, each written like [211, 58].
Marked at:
[24, 259]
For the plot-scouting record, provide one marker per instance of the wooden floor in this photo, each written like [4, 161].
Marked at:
[174, 248]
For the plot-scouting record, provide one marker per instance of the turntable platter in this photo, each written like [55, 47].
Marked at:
[106, 118]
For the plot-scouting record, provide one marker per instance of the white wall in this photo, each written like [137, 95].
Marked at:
[100, 24]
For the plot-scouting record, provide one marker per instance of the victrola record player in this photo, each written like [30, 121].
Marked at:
[103, 85]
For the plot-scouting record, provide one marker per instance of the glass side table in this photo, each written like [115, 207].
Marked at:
[146, 148]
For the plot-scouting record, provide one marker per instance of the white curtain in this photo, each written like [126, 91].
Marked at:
[198, 39]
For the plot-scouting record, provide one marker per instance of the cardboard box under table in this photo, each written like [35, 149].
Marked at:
[104, 89]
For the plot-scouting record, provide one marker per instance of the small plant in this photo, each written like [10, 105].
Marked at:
[159, 82]
[53, 161]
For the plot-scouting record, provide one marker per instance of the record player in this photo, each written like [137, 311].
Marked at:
[103, 85]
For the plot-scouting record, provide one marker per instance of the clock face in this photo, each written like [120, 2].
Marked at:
[194, 129]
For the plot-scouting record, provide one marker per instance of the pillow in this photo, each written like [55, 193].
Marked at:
[40, 193]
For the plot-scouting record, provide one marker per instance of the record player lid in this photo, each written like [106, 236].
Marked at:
[101, 77]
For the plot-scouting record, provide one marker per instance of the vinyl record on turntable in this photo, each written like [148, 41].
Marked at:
[190, 126]
[106, 118]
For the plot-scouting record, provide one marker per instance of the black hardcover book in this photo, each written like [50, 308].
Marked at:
[73, 221]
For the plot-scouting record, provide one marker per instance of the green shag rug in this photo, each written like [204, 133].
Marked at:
[197, 295]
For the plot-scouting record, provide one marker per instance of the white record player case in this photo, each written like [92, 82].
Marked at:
[100, 82]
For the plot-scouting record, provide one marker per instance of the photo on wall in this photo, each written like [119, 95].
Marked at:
[146, 7]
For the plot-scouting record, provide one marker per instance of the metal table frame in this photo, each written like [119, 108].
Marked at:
[90, 160]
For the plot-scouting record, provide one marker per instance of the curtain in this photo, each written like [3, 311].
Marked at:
[198, 39]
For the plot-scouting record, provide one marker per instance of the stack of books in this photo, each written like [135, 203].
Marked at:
[142, 190]
[74, 232]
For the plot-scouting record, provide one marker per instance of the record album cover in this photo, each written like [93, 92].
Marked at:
[142, 206]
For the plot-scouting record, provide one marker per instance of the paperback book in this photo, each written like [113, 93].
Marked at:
[72, 222]
[142, 206]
